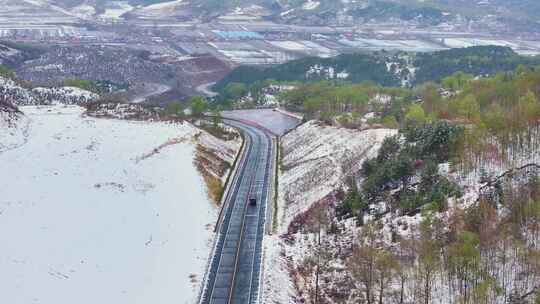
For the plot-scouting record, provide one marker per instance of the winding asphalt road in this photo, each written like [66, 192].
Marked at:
[234, 272]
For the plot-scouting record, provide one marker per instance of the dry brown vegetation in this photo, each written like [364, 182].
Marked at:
[212, 168]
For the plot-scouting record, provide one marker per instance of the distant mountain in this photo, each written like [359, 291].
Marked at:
[522, 15]
[496, 14]
[74, 3]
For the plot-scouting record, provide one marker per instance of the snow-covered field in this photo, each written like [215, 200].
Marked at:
[89, 214]
[311, 5]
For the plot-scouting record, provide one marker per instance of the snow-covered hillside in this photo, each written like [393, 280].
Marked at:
[316, 159]
[103, 211]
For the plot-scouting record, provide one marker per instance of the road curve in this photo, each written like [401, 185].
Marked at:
[234, 271]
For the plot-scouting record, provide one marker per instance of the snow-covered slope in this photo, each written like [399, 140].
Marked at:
[316, 159]
[103, 211]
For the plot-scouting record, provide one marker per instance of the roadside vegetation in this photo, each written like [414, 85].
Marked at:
[212, 168]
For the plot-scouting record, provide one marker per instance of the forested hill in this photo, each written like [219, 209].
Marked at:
[387, 69]
[360, 67]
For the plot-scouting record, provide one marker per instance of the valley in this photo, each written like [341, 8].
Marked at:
[270, 151]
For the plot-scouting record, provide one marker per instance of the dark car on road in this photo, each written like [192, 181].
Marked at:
[253, 200]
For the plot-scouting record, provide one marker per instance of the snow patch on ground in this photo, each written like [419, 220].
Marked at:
[311, 5]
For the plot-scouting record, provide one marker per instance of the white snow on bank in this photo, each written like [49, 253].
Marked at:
[82, 221]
